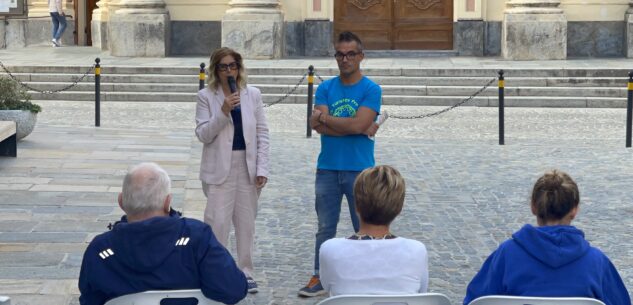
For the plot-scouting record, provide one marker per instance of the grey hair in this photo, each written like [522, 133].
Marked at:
[145, 188]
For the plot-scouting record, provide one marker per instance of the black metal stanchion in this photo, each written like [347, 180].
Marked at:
[629, 109]
[97, 92]
[201, 77]
[310, 97]
[501, 107]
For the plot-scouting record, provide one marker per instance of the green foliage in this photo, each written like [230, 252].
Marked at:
[14, 97]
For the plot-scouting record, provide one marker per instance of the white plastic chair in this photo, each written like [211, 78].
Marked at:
[154, 297]
[4, 300]
[410, 299]
[521, 300]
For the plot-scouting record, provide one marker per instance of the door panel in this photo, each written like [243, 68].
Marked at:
[423, 24]
[369, 19]
[75, 21]
[397, 24]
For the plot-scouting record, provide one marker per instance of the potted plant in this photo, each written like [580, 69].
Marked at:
[15, 105]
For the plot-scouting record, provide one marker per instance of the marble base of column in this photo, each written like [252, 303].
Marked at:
[139, 35]
[99, 25]
[2, 33]
[628, 17]
[99, 34]
[255, 36]
[534, 36]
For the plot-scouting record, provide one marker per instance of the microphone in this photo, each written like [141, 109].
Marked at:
[232, 84]
[232, 87]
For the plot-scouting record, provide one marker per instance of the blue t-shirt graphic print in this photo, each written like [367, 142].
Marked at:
[351, 152]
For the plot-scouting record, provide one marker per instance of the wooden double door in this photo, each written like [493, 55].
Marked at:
[397, 24]
[83, 18]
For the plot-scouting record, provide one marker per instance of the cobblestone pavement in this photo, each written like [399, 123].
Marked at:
[465, 193]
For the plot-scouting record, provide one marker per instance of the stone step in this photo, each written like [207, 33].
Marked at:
[118, 96]
[481, 101]
[111, 78]
[388, 90]
[294, 79]
[118, 87]
[409, 53]
[327, 71]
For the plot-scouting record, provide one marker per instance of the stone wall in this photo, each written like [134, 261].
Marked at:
[318, 38]
[492, 43]
[596, 38]
[294, 39]
[195, 37]
[469, 37]
[2, 33]
[19, 33]
[314, 37]
[584, 38]
[477, 37]
[309, 38]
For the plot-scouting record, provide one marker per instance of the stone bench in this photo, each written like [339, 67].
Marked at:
[8, 139]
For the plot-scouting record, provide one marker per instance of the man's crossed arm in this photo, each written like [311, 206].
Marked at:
[362, 123]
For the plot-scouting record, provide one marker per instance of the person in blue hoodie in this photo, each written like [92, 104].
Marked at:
[552, 259]
[153, 248]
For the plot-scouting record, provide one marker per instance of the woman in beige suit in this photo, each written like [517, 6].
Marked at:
[234, 166]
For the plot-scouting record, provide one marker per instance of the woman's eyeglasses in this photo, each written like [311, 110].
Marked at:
[226, 67]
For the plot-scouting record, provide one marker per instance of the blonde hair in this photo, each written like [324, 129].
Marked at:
[216, 57]
[554, 195]
[379, 194]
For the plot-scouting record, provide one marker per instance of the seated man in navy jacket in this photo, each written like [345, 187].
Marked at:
[153, 248]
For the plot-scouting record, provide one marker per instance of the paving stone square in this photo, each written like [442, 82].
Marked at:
[465, 193]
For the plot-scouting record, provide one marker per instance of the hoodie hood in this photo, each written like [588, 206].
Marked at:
[145, 245]
[554, 246]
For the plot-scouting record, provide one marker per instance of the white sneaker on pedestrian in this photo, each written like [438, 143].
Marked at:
[55, 42]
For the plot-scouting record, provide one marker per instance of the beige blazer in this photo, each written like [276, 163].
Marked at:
[215, 130]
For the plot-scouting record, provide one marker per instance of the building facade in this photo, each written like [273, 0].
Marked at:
[514, 29]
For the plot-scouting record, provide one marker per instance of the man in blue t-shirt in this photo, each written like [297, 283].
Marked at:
[345, 114]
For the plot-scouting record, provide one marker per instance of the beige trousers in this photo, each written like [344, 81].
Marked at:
[234, 201]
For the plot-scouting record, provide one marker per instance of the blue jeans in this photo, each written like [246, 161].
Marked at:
[59, 25]
[330, 186]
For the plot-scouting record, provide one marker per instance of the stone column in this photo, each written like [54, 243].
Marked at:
[139, 28]
[534, 30]
[628, 18]
[99, 25]
[254, 28]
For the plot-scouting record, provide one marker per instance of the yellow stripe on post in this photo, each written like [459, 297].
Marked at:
[310, 79]
[630, 86]
[202, 76]
[502, 83]
[97, 71]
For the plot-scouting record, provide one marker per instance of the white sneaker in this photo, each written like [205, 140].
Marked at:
[55, 42]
